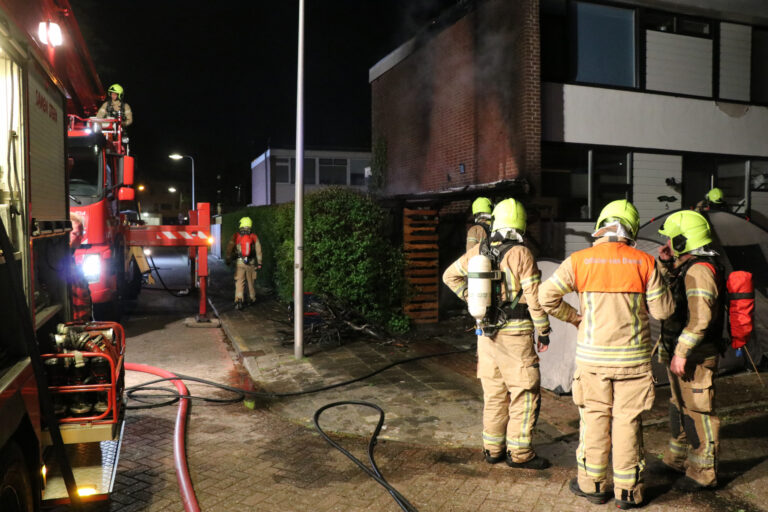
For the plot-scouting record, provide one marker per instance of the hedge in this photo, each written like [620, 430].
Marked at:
[347, 252]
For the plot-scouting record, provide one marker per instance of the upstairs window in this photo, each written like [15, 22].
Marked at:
[759, 74]
[605, 44]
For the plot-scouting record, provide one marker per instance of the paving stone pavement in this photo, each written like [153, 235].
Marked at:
[266, 459]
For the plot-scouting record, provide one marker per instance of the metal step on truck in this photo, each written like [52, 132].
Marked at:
[61, 382]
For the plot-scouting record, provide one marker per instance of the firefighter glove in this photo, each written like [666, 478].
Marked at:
[544, 340]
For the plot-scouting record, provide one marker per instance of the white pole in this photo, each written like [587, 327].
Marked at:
[194, 205]
[298, 230]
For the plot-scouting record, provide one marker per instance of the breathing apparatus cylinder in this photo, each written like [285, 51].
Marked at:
[479, 288]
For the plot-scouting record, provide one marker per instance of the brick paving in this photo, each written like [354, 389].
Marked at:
[266, 459]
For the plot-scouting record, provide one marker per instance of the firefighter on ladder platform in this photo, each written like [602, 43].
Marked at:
[115, 107]
[244, 248]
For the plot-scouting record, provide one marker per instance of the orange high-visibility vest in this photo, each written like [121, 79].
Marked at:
[612, 267]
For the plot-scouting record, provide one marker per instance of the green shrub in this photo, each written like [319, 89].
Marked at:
[347, 253]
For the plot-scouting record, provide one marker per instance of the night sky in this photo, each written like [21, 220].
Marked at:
[217, 80]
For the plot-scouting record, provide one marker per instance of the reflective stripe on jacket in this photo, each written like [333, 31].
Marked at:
[618, 286]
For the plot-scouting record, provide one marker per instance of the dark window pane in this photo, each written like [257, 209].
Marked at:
[309, 171]
[357, 171]
[659, 21]
[605, 44]
[693, 27]
[554, 41]
[759, 85]
[564, 171]
[610, 179]
[332, 173]
[280, 171]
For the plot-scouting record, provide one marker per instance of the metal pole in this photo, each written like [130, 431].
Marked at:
[590, 178]
[298, 230]
[194, 205]
[747, 187]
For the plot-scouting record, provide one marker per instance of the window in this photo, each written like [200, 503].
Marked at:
[281, 171]
[759, 85]
[309, 171]
[357, 171]
[564, 170]
[605, 44]
[676, 24]
[555, 63]
[610, 178]
[333, 171]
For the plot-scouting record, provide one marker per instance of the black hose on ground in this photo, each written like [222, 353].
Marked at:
[373, 473]
[136, 392]
[175, 293]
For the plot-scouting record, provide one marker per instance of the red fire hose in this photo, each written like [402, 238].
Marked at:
[179, 448]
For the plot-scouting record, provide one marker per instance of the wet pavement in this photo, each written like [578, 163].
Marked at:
[268, 458]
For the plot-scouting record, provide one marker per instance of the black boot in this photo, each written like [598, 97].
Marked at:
[535, 463]
[494, 459]
[239, 305]
[597, 498]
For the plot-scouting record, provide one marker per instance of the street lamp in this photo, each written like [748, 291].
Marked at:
[176, 156]
[171, 189]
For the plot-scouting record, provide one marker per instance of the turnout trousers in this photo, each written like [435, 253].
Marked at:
[611, 401]
[694, 427]
[508, 369]
[244, 273]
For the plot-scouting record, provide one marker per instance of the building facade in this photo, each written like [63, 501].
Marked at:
[273, 173]
[587, 102]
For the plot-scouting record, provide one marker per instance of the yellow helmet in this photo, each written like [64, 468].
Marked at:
[688, 230]
[509, 213]
[246, 222]
[116, 88]
[482, 205]
[623, 211]
[715, 196]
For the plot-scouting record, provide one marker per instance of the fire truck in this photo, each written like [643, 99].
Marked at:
[61, 383]
[100, 179]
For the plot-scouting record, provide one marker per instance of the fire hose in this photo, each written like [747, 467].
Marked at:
[179, 448]
[182, 394]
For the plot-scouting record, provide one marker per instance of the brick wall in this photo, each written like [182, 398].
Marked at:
[468, 95]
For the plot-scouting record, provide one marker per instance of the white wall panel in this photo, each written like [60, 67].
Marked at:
[735, 61]
[592, 115]
[678, 63]
[650, 172]
[578, 236]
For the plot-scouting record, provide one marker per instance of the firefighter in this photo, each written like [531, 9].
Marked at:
[245, 248]
[713, 201]
[508, 367]
[692, 336]
[115, 106]
[618, 286]
[479, 231]
[82, 307]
